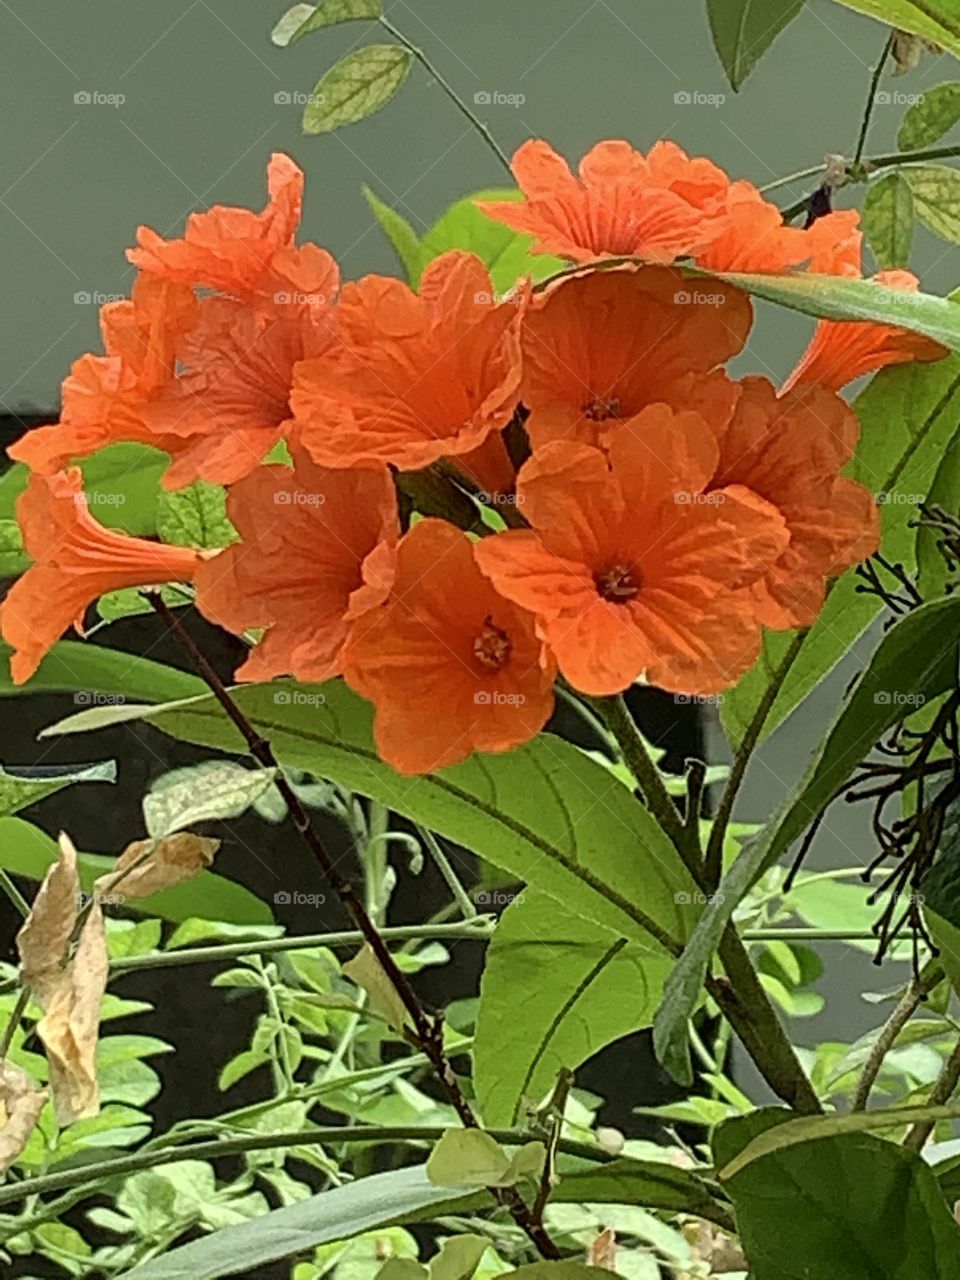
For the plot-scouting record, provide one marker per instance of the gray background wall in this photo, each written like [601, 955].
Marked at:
[200, 118]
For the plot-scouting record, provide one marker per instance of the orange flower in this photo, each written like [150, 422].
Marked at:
[234, 251]
[103, 397]
[633, 572]
[841, 350]
[315, 553]
[415, 378]
[621, 204]
[790, 451]
[451, 666]
[76, 561]
[598, 348]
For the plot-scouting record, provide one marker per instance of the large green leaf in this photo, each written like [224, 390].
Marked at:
[744, 29]
[97, 675]
[357, 86]
[934, 572]
[122, 483]
[27, 851]
[927, 120]
[378, 1201]
[555, 990]
[546, 813]
[908, 416]
[20, 787]
[405, 241]
[914, 663]
[851, 1205]
[935, 20]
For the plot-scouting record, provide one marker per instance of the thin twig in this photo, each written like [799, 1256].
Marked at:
[871, 99]
[905, 1008]
[427, 1033]
[941, 1092]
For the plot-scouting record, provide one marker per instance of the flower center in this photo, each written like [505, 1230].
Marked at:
[600, 408]
[618, 583]
[492, 647]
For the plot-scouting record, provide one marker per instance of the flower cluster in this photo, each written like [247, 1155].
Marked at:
[660, 512]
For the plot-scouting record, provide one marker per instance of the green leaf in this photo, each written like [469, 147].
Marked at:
[935, 20]
[936, 198]
[400, 1195]
[93, 673]
[929, 119]
[122, 483]
[129, 602]
[301, 19]
[504, 252]
[843, 298]
[213, 790]
[744, 29]
[852, 1196]
[356, 87]
[20, 787]
[458, 1258]
[908, 416]
[915, 662]
[555, 990]
[545, 812]
[888, 221]
[933, 570]
[471, 1158]
[564, 1270]
[400, 233]
[195, 516]
[27, 851]
[652, 1183]
[13, 557]
[369, 975]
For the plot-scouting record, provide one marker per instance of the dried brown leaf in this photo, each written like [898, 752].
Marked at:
[45, 935]
[149, 866]
[21, 1101]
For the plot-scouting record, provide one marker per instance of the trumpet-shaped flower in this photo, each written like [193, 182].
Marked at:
[76, 560]
[632, 569]
[451, 666]
[315, 554]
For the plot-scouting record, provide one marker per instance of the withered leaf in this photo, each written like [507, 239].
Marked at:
[45, 935]
[21, 1101]
[148, 866]
[369, 975]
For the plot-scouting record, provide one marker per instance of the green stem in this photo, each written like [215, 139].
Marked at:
[16, 1013]
[451, 93]
[905, 1009]
[463, 900]
[14, 894]
[743, 999]
[869, 167]
[122, 1166]
[479, 927]
[871, 99]
[713, 864]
